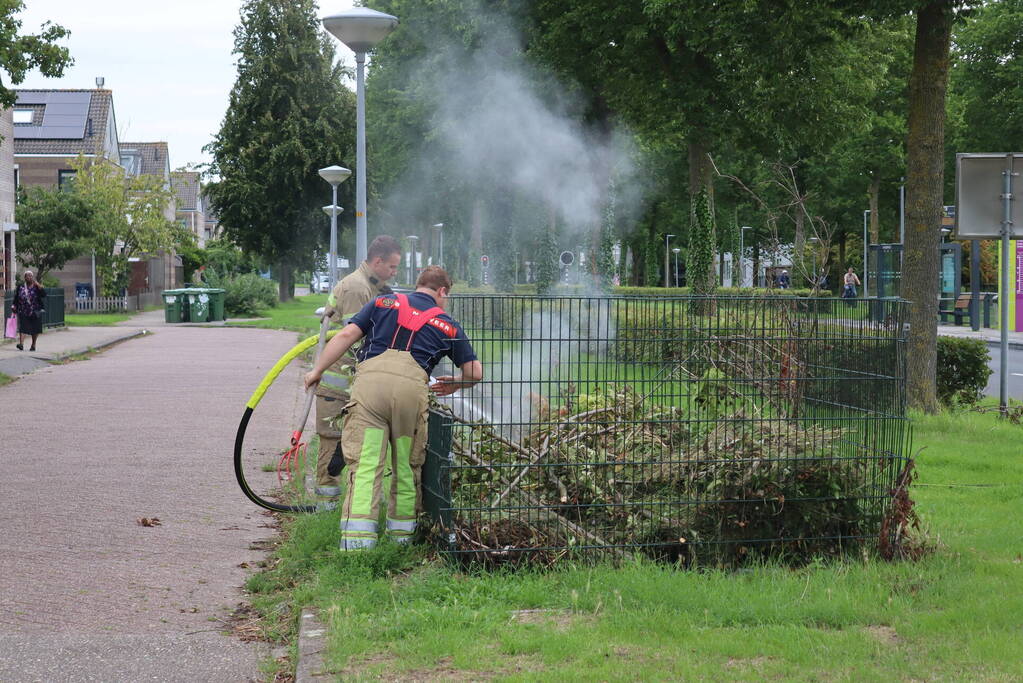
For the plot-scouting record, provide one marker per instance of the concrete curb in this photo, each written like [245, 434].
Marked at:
[1016, 346]
[309, 667]
[98, 347]
[27, 364]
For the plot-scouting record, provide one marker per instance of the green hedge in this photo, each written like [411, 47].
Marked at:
[245, 295]
[962, 370]
[586, 290]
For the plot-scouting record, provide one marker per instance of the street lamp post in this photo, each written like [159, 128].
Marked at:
[742, 253]
[865, 243]
[360, 29]
[675, 251]
[440, 256]
[335, 175]
[666, 280]
[902, 213]
[413, 261]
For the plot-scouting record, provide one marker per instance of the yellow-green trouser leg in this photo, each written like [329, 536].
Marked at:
[328, 408]
[388, 408]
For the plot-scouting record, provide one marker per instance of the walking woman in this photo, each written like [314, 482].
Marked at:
[28, 304]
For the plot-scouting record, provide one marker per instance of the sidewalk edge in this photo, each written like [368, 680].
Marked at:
[309, 666]
[109, 342]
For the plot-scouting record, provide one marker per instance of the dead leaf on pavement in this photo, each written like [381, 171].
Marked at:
[148, 521]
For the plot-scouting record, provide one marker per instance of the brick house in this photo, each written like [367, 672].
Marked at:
[189, 203]
[160, 271]
[8, 231]
[51, 129]
[212, 219]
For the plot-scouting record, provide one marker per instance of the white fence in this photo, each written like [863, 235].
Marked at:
[101, 303]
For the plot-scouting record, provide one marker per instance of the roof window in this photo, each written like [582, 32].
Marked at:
[23, 115]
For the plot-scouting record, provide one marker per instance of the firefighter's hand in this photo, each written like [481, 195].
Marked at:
[312, 379]
[446, 385]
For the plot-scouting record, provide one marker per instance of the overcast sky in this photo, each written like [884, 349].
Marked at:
[168, 63]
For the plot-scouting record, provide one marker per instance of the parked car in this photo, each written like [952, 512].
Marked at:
[319, 283]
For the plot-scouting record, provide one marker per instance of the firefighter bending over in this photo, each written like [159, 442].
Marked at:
[363, 285]
[406, 336]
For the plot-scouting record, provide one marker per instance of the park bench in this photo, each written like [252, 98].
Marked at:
[960, 310]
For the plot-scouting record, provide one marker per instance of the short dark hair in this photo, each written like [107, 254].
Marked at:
[382, 247]
[434, 277]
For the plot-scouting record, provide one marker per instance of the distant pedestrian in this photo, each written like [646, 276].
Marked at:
[783, 280]
[850, 282]
[28, 304]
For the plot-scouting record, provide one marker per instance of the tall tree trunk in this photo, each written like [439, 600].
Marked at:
[925, 164]
[800, 236]
[700, 252]
[284, 277]
[841, 253]
[874, 191]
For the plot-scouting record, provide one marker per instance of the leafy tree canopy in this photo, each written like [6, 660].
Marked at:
[289, 115]
[20, 53]
[55, 226]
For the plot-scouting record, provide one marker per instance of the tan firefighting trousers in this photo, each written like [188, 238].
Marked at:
[327, 409]
[386, 416]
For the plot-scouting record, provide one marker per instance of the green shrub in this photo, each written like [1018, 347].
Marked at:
[962, 370]
[246, 294]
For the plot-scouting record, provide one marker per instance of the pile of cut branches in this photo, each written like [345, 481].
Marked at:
[615, 471]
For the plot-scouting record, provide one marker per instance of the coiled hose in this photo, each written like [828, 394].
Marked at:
[254, 400]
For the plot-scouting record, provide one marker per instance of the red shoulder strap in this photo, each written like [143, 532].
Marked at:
[411, 318]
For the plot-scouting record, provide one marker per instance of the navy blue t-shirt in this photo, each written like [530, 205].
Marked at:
[379, 324]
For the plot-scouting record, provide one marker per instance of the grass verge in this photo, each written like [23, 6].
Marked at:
[5, 379]
[298, 315]
[400, 613]
[95, 319]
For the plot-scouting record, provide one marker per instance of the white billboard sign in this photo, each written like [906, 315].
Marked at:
[980, 184]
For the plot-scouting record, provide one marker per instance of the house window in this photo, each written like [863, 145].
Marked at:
[65, 177]
[17, 177]
[23, 115]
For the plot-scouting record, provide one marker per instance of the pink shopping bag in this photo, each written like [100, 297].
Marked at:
[11, 329]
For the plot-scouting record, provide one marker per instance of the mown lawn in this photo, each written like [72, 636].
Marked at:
[94, 319]
[298, 315]
[955, 615]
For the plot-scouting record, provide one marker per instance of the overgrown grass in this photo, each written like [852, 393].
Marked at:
[401, 613]
[5, 379]
[298, 315]
[95, 319]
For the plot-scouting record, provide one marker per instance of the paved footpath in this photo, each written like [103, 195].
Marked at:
[143, 429]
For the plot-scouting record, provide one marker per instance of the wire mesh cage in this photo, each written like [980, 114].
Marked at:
[710, 431]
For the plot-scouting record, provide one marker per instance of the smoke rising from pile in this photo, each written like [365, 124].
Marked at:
[504, 131]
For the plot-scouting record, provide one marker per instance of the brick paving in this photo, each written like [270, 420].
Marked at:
[144, 429]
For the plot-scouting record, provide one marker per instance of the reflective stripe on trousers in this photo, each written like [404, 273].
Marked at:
[334, 381]
[385, 425]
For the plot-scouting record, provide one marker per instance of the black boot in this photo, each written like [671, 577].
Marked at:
[337, 462]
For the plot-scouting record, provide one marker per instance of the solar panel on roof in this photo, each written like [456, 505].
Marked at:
[64, 117]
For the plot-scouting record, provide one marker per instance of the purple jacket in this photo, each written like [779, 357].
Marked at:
[28, 300]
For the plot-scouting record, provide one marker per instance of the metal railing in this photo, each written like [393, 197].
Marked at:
[703, 431]
[54, 304]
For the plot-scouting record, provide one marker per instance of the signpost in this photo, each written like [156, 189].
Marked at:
[985, 210]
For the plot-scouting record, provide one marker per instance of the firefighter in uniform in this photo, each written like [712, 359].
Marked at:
[349, 296]
[385, 420]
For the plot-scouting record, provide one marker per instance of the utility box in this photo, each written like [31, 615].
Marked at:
[436, 479]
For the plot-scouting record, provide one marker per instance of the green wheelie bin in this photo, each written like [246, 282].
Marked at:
[198, 305]
[174, 310]
[217, 303]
